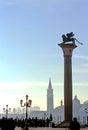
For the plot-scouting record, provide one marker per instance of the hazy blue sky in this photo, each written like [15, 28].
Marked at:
[29, 33]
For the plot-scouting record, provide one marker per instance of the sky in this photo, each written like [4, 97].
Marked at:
[30, 31]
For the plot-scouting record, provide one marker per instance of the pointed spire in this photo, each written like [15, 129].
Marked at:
[50, 85]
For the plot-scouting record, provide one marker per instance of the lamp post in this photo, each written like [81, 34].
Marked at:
[26, 104]
[6, 110]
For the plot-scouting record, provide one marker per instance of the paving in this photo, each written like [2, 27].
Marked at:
[48, 128]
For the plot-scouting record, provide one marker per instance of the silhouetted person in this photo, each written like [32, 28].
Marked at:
[74, 125]
[26, 126]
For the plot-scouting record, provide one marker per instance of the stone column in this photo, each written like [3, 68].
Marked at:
[67, 51]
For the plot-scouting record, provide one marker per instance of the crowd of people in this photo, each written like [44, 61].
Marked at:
[10, 123]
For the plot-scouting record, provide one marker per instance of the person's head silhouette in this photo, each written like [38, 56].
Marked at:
[75, 119]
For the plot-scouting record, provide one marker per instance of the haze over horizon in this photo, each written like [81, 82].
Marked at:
[29, 55]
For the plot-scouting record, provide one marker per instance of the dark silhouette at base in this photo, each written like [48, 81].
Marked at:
[74, 125]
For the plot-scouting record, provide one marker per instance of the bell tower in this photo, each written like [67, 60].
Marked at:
[49, 97]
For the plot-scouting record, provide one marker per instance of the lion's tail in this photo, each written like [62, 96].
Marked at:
[78, 41]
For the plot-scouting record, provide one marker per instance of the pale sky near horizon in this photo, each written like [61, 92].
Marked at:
[29, 33]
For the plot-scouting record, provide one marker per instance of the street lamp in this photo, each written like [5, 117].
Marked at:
[26, 104]
[6, 110]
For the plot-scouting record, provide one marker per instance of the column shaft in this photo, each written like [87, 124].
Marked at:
[68, 87]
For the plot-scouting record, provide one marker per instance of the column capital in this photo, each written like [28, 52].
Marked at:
[67, 48]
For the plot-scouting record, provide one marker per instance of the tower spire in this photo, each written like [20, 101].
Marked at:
[50, 85]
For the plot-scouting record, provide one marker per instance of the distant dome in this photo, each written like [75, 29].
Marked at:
[76, 106]
[76, 100]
